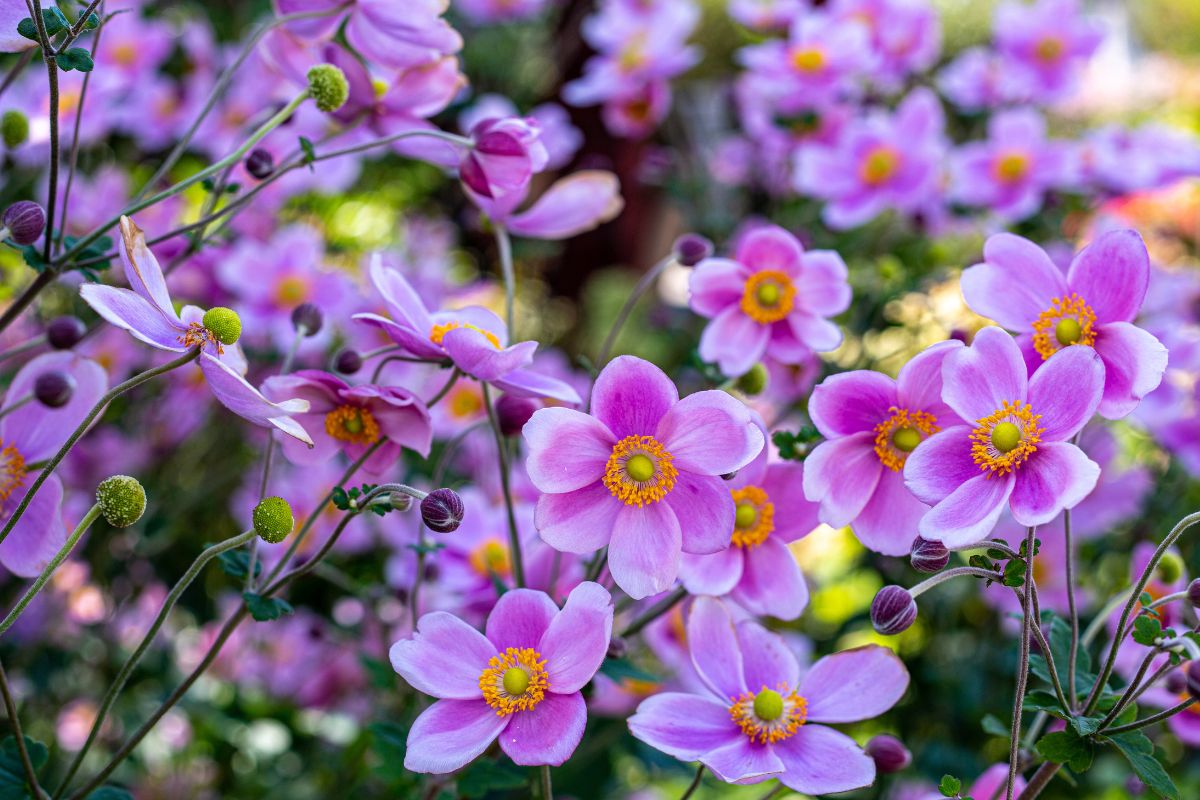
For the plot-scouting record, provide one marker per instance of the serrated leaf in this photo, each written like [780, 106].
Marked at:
[1066, 747]
[1147, 629]
[12, 772]
[949, 786]
[1139, 751]
[483, 777]
[265, 609]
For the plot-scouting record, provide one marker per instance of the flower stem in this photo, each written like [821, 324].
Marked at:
[1014, 745]
[446, 387]
[13, 406]
[23, 347]
[49, 56]
[87, 79]
[631, 302]
[950, 574]
[116, 391]
[694, 785]
[514, 538]
[655, 611]
[1073, 656]
[1045, 773]
[1182, 706]
[547, 790]
[504, 246]
[10, 706]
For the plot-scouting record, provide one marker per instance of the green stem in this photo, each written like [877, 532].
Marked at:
[11, 407]
[446, 387]
[654, 612]
[48, 55]
[631, 302]
[547, 789]
[23, 347]
[1182, 706]
[504, 246]
[514, 538]
[694, 785]
[10, 706]
[1014, 746]
[1045, 773]
[1073, 656]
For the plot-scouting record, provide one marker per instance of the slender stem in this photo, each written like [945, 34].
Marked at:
[10, 706]
[13, 406]
[514, 538]
[50, 568]
[631, 302]
[23, 347]
[950, 574]
[1170, 598]
[655, 611]
[446, 387]
[44, 278]
[1097, 624]
[136, 380]
[118, 684]
[48, 55]
[1014, 746]
[1036, 630]
[1073, 656]
[1181, 706]
[16, 71]
[547, 789]
[1045, 773]
[596, 565]
[694, 785]
[988, 544]
[77, 29]
[1127, 696]
[87, 79]
[504, 246]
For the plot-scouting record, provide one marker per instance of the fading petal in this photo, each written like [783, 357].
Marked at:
[643, 554]
[977, 380]
[766, 659]
[548, 733]
[820, 760]
[450, 734]
[970, 513]
[132, 312]
[444, 658]
[1112, 274]
[771, 583]
[1015, 283]
[241, 398]
[854, 684]
[1134, 362]
[631, 395]
[852, 402]
[581, 521]
[1057, 476]
[520, 618]
[568, 449]
[572, 205]
[578, 637]
[142, 271]
[685, 726]
[841, 475]
[705, 510]
[712, 641]
[1066, 391]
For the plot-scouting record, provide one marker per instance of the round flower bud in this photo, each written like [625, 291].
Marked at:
[54, 389]
[617, 647]
[65, 332]
[260, 164]
[692, 248]
[1176, 681]
[753, 382]
[1193, 591]
[513, 412]
[442, 510]
[928, 556]
[1170, 568]
[328, 86]
[348, 362]
[1193, 679]
[893, 610]
[307, 319]
[224, 323]
[122, 500]
[273, 519]
[24, 220]
[889, 753]
[14, 128]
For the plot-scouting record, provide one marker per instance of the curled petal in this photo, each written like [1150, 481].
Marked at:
[571, 206]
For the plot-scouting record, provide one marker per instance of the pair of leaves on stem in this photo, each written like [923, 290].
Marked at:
[32, 253]
[74, 58]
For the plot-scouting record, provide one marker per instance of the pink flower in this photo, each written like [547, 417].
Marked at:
[1045, 42]
[640, 474]
[520, 682]
[872, 425]
[1017, 454]
[504, 155]
[772, 299]
[821, 58]
[759, 719]
[391, 34]
[1093, 306]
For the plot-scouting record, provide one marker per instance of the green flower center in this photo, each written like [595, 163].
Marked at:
[1005, 437]
[768, 294]
[746, 515]
[1067, 331]
[768, 705]
[640, 467]
[906, 439]
[516, 681]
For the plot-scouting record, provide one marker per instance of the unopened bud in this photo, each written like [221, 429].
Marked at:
[400, 501]
[1170, 568]
[25, 221]
[893, 610]
[348, 362]
[1193, 679]
[1193, 591]
[1176, 681]
[307, 319]
[692, 248]
[260, 164]
[513, 412]
[122, 500]
[442, 510]
[14, 128]
[273, 519]
[889, 753]
[617, 647]
[65, 332]
[753, 382]
[54, 389]
[928, 555]
[328, 87]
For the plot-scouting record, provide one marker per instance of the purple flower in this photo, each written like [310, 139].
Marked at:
[1093, 306]
[820, 59]
[473, 338]
[1017, 453]
[759, 718]
[520, 682]
[1045, 42]
[147, 313]
[390, 34]
[560, 138]
[905, 34]
[772, 298]
[872, 426]
[31, 432]
[641, 474]
[765, 15]
[352, 419]
[504, 155]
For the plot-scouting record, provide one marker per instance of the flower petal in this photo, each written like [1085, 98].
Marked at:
[474, 354]
[1066, 391]
[631, 395]
[705, 510]
[38, 431]
[643, 555]
[443, 658]
[710, 433]
[940, 464]
[241, 398]
[548, 733]
[520, 618]
[715, 574]
[734, 341]
[1057, 476]
[795, 515]
[888, 522]
[527, 383]
[977, 380]
[581, 521]
[766, 659]
[713, 643]
[970, 513]
[132, 312]
[854, 684]
[714, 285]
[743, 761]
[575, 204]
[685, 726]
[578, 637]
[823, 287]
[820, 761]
[142, 271]
[1015, 283]
[1112, 274]
[919, 384]
[1134, 362]
[771, 584]
[37, 536]
[450, 734]
[568, 449]
[841, 475]
[852, 402]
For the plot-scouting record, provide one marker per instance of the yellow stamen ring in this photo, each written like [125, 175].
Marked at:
[769, 716]
[879, 165]
[515, 680]
[1011, 167]
[768, 296]
[353, 424]
[1006, 438]
[899, 435]
[12, 471]
[755, 518]
[490, 558]
[439, 332]
[640, 471]
[1068, 320]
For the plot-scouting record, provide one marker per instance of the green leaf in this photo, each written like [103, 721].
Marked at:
[340, 498]
[950, 786]
[56, 21]
[12, 772]
[1066, 747]
[310, 153]
[795, 446]
[265, 609]
[389, 741]
[484, 776]
[92, 22]
[992, 724]
[235, 563]
[426, 549]
[1147, 629]
[981, 562]
[620, 669]
[110, 793]
[27, 29]
[380, 673]
[1014, 573]
[1139, 751]
[77, 58]
[1044, 701]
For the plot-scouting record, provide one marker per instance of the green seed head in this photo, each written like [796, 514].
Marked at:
[746, 515]
[768, 705]
[516, 681]
[122, 500]
[640, 468]
[14, 127]
[1005, 437]
[224, 323]
[754, 381]
[273, 519]
[1067, 331]
[906, 439]
[328, 86]
[1170, 568]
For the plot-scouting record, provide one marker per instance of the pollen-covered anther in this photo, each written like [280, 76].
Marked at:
[769, 715]
[197, 335]
[768, 296]
[491, 558]
[438, 333]
[1005, 439]
[12, 471]
[353, 424]
[1068, 320]
[515, 680]
[640, 471]
[754, 518]
[899, 435]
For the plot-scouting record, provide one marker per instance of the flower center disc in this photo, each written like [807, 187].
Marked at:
[899, 435]
[755, 516]
[640, 471]
[879, 165]
[438, 332]
[1006, 438]
[808, 59]
[515, 680]
[12, 471]
[1068, 320]
[770, 715]
[1012, 167]
[768, 296]
[490, 558]
[352, 424]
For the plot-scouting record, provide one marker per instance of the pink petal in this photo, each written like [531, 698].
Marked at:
[520, 618]
[568, 449]
[38, 534]
[548, 733]
[734, 341]
[643, 555]
[852, 402]
[823, 290]
[581, 521]
[820, 761]
[710, 433]
[795, 515]
[766, 658]
[888, 522]
[715, 284]
[631, 395]
[142, 271]
[715, 574]
[248, 403]
[1015, 283]
[978, 379]
[970, 513]
[36, 430]
[474, 354]
[713, 643]
[1066, 391]
[940, 464]
[685, 726]
[854, 684]
[705, 511]
[572, 205]
[132, 312]
[578, 637]
[1134, 362]
[1112, 274]
[841, 475]
[443, 658]
[919, 384]
[1057, 476]
[450, 734]
[771, 584]
[770, 247]
[816, 332]
[743, 762]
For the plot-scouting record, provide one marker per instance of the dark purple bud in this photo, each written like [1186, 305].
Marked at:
[348, 362]
[692, 248]
[929, 556]
[1134, 785]
[958, 334]
[893, 610]
[25, 220]
[64, 332]
[54, 389]
[307, 319]
[1193, 679]
[889, 753]
[260, 164]
[442, 510]
[1176, 681]
[617, 648]
[1193, 591]
[513, 412]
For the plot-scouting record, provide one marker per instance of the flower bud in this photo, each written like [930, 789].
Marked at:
[122, 500]
[928, 556]
[224, 323]
[617, 647]
[273, 519]
[307, 319]
[65, 332]
[54, 389]
[753, 382]
[328, 87]
[260, 164]
[889, 753]
[442, 510]
[692, 248]
[1170, 568]
[513, 412]
[1176, 681]
[1193, 679]
[348, 362]
[893, 610]
[25, 221]
[1193, 591]
[14, 128]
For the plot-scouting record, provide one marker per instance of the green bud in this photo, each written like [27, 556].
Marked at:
[1170, 568]
[273, 519]
[14, 128]
[328, 86]
[224, 323]
[122, 500]
[754, 381]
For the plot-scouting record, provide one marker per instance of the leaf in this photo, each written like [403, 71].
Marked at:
[235, 563]
[1139, 751]
[27, 29]
[483, 777]
[1044, 701]
[265, 609]
[1014, 573]
[795, 446]
[1066, 747]
[426, 549]
[12, 772]
[620, 669]
[950, 786]
[1147, 629]
[1060, 647]
[310, 153]
[981, 562]
[380, 673]
[389, 741]
[77, 58]
[992, 724]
